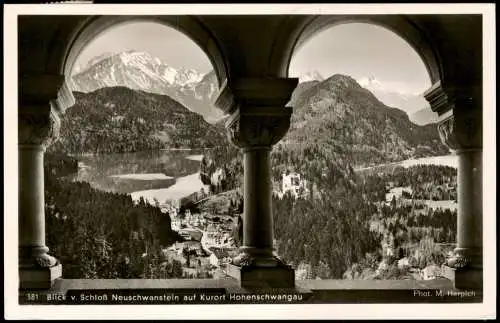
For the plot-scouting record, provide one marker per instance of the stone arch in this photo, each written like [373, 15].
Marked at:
[91, 27]
[300, 31]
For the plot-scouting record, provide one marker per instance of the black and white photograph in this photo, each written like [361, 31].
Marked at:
[299, 161]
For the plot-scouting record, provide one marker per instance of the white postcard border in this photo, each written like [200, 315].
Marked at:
[350, 311]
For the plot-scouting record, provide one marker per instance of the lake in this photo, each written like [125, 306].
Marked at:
[168, 174]
[161, 174]
[445, 160]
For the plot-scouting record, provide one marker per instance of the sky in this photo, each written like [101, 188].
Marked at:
[166, 43]
[363, 51]
[355, 49]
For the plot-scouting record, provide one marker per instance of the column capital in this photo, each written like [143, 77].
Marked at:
[43, 99]
[37, 125]
[460, 114]
[258, 127]
[259, 118]
[461, 130]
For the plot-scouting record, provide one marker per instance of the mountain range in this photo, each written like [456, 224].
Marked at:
[196, 91]
[141, 71]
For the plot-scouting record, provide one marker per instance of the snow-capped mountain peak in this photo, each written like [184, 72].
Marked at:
[372, 83]
[311, 76]
[188, 76]
[132, 57]
[142, 71]
[151, 66]
[169, 74]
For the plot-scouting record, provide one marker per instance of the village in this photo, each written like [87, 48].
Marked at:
[209, 237]
[209, 241]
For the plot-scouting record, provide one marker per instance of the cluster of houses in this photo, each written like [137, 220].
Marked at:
[199, 227]
[186, 220]
[216, 236]
[221, 256]
[117, 119]
[189, 220]
[428, 273]
[303, 271]
[190, 255]
[389, 249]
[184, 248]
[196, 261]
[208, 243]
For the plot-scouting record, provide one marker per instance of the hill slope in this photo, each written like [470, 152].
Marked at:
[119, 119]
[344, 117]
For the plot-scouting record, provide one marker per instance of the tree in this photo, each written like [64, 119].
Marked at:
[393, 201]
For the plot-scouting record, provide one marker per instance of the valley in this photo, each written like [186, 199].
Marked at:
[155, 191]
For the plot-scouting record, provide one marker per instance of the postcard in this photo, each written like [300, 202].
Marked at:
[249, 161]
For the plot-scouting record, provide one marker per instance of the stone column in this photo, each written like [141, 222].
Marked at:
[258, 227]
[458, 131]
[37, 269]
[460, 128]
[469, 222]
[38, 125]
[255, 132]
[258, 121]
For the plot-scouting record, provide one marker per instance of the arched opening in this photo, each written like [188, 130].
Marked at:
[372, 185]
[166, 39]
[188, 26]
[127, 167]
[400, 26]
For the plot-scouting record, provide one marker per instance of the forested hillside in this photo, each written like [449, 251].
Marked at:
[344, 231]
[118, 119]
[97, 234]
[339, 115]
